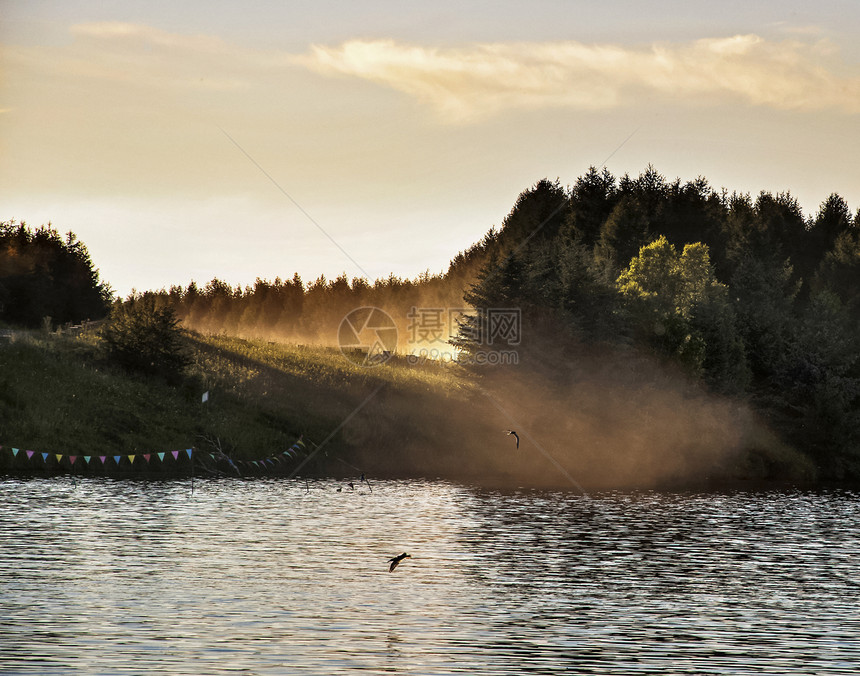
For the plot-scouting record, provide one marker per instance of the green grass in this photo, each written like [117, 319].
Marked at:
[58, 395]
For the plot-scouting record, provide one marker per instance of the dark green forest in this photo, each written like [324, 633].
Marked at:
[47, 279]
[744, 297]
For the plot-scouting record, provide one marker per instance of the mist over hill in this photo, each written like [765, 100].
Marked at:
[632, 329]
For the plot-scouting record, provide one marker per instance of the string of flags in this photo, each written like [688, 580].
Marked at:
[130, 458]
[145, 459]
[292, 453]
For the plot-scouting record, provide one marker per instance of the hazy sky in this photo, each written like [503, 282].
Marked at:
[188, 140]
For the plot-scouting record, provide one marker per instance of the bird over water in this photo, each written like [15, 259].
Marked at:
[397, 559]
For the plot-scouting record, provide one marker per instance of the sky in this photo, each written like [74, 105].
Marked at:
[193, 140]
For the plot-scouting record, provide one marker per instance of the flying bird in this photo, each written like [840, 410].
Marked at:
[396, 560]
[516, 436]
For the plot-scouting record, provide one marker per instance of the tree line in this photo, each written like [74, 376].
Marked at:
[47, 279]
[295, 311]
[744, 294]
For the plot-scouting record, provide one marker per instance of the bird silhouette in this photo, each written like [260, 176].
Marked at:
[396, 560]
[516, 436]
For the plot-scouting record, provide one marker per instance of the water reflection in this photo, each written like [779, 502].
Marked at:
[267, 577]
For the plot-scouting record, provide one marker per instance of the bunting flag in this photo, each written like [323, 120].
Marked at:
[294, 450]
[272, 463]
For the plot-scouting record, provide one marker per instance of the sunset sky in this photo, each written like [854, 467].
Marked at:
[189, 140]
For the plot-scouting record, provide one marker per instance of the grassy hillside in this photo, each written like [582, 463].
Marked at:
[58, 395]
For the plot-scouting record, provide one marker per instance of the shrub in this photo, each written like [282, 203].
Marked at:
[141, 336]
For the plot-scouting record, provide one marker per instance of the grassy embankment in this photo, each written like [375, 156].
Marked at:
[58, 395]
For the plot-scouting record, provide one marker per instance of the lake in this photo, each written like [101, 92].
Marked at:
[279, 577]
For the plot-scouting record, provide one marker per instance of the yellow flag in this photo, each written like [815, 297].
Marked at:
[131, 459]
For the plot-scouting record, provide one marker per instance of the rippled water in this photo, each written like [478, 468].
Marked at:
[268, 577]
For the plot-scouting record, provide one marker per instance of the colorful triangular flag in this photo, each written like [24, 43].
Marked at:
[14, 452]
[58, 456]
[175, 455]
[87, 458]
[72, 459]
[116, 458]
[103, 458]
[131, 459]
[45, 457]
[189, 451]
[30, 454]
[147, 456]
[161, 456]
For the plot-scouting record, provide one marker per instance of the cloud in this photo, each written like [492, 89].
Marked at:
[478, 80]
[466, 83]
[127, 32]
[147, 57]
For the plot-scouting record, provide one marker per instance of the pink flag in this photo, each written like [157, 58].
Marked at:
[146, 456]
[72, 459]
